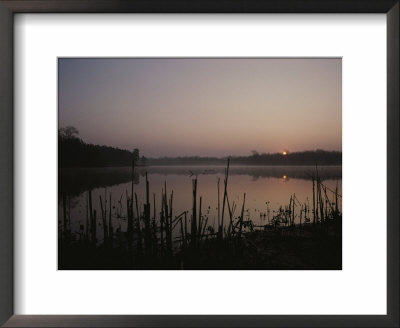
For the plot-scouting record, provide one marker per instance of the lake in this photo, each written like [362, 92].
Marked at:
[267, 188]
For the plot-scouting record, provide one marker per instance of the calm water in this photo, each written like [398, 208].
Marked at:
[266, 188]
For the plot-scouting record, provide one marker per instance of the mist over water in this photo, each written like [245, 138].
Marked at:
[168, 116]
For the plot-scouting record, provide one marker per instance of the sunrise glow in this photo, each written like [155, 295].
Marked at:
[203, 107]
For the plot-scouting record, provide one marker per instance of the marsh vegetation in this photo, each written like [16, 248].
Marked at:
[202, 217]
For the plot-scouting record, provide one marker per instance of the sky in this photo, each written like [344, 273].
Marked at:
[204, 107]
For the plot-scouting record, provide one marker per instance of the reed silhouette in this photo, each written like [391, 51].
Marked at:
[186, 241]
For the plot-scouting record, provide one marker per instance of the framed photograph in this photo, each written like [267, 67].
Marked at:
[203, 164]
[199, 200]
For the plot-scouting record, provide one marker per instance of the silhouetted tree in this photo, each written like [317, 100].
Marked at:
[68, 132]
[74, 152]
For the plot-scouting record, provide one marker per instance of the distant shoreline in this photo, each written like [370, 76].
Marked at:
[139, 166]
[74, 152]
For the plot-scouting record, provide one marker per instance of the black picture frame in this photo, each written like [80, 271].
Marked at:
[10, 7]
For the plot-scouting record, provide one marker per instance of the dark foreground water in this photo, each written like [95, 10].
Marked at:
[266, 188]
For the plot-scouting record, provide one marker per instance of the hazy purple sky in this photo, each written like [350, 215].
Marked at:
[206, 107]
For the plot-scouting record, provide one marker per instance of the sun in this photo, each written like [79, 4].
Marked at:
[284, 153]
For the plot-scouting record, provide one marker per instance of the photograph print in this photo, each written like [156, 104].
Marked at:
[199, 164]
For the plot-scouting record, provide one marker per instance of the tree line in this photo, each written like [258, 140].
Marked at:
[314, 157]
[74, 152]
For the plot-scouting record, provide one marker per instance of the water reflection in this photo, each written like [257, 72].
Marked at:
[267, 190]
[76, 180]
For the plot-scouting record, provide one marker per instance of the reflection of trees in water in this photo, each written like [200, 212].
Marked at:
[256, 172]
[74, 181]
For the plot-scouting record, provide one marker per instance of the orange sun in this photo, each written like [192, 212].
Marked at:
[284, 153]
